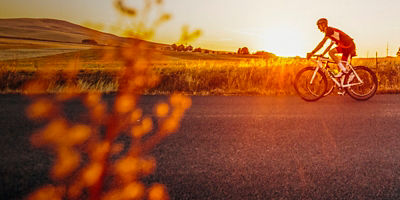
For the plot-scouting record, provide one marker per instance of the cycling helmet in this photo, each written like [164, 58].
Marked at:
[322, 21]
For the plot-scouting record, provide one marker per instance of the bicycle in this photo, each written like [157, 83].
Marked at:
[311, 83]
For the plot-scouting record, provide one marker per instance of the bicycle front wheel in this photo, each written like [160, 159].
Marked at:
[330, 87]
[308, 88]
[367, 88]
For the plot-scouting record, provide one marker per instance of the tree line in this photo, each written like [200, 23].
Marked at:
[241, 51]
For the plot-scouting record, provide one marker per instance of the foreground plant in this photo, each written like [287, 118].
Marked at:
[76, 178]
[89, 161]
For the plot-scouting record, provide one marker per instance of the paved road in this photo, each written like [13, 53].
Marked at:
[247, 148]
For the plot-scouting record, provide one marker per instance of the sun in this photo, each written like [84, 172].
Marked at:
[284, 41]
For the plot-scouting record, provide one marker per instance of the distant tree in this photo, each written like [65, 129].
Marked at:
[398, 53]
[189, 48]
[265, 54]
[245, 50]
[206, 51]
[181, 48]
[89, 41]
[174, 47]
[197, 49]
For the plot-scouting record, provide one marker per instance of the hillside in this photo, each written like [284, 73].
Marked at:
[22, 38]
[58, 31]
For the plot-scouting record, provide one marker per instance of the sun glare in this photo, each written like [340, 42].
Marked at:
[284, 41]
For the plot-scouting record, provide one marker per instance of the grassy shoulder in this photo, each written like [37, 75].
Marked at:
[192, 73]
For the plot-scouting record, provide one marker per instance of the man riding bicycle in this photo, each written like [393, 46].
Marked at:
[345, 45]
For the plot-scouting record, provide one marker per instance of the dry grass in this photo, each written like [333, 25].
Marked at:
[258, 76]
[246, 76]
[387, 70]
[190, 73]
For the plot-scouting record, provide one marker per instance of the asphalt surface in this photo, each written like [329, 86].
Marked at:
[245, 148]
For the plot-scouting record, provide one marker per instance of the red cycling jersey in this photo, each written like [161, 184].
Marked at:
[339, 37]
[345, 44]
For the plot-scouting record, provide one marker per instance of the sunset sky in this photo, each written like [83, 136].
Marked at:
[283, 27]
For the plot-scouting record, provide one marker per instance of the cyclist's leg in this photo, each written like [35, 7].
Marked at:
[353, 53]
[332, 54]
[346, 54]
[343, 69]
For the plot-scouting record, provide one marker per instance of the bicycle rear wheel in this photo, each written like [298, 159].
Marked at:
[307, 89]
[365, 90]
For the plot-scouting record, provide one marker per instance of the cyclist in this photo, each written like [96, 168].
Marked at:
[345, 45]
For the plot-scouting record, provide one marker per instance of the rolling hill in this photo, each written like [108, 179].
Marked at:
[34, 37]
[57, 31]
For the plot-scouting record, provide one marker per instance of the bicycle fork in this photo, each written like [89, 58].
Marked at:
[314, 74]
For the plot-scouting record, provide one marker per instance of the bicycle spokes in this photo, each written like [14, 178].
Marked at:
[363, 85]
[310, 84]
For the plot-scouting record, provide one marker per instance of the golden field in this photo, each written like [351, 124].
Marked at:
[62, 60]
[97, 69]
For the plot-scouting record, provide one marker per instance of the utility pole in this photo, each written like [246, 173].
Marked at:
[387, 49]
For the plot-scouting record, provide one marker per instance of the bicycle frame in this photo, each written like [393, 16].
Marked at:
[322, 63]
